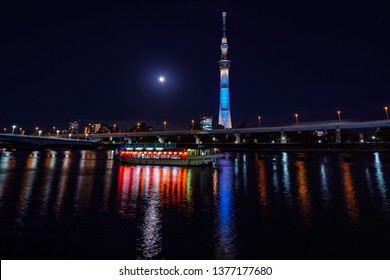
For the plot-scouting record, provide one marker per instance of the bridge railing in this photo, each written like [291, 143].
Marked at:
[39, 139]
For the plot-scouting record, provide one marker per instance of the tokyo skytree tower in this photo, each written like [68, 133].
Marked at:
[224, 65]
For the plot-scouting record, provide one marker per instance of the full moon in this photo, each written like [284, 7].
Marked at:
[161, 79]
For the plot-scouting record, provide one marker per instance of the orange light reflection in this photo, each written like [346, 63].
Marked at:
[262, 185]
[303, 192]
[350, 196]
[166, 184]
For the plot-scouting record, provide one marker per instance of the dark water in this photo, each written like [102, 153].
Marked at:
[85, 205]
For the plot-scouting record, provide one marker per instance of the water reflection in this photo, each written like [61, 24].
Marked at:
[244, 170]
[303, 192]
[107, 181]
[262, 186]
[349, 192]
[382, 187]
[324, 184]
[27, 184]
[223, 213]
[187, 183]
[85, 181]
[151, 240]
[124, 193]
[63, 182]
[7, 165]
[275, 180]
[47, 184]
[173, 187]
[226, 231]
[146, 190]
[286, 178]
[215, 184]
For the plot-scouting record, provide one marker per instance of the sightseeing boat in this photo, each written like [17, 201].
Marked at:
[167, 154]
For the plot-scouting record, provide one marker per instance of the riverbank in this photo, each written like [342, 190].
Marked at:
[298, 147]
[224, 147]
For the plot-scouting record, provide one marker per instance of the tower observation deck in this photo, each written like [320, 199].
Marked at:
[224, 65]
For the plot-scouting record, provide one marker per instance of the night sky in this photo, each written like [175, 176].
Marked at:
[100, 61]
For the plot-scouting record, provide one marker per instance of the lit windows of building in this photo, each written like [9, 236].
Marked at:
[206, 122]
[74, 127]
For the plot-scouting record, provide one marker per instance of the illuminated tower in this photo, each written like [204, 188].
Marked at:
[224, 64]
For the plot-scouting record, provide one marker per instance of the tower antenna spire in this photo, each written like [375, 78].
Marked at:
[224, 24]
[224, 118]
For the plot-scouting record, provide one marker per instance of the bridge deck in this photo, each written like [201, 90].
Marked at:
[300, 127]
[44, 141]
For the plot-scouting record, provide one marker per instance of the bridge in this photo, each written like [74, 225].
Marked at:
[45, 141]
[79, 140]
[237, 132]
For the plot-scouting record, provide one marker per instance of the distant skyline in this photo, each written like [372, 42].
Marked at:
[89, 61]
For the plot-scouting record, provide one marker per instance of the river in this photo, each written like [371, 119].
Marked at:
[274, 205]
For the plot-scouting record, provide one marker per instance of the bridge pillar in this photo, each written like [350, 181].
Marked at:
[161, 139]
[238, 138]
[197, 139]
[283, 137]
[338, 135]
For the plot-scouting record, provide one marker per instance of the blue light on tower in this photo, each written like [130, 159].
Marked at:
[224, 65]
[224, 97]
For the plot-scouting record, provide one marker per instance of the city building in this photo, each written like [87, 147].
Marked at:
[97, 128]
[74, 127]
[224, 118]
[101, 128]
[206, 122]
[89, 129]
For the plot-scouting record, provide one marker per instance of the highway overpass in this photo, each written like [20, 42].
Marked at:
[45, 141]
[312, 126]
[79, 140]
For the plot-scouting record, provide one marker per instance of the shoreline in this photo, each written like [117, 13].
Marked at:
[312, 148]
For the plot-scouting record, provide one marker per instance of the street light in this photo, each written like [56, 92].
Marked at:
[114, 127]
[39, 133]
[193, 123]
[259, 118]
[58, 133]
[5, 130]
[86, 136]
[70, 135]
[13, 129]
[339, 115]
[36, 130]
[165, 125]
[387, 112]
[54, 129]
[296, 118]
